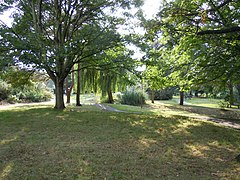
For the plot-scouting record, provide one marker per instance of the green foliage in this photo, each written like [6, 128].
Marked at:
[223, 104]
[21, 85]
[132, 97]
[55, 36]
[104, 99]
[30, 93]
[34, 95]
[17, 77]
[5, 90]
[196, 42]
[164, 94]
[12, 99]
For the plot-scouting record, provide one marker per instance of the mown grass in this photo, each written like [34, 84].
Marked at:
[80, 143]
[204, 102]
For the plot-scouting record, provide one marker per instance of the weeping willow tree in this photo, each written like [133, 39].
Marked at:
[114, 71]
[86, 80]
[105, 73]
[111, 81]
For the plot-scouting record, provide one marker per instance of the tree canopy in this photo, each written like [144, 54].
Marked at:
[56, 34]
[197, 40]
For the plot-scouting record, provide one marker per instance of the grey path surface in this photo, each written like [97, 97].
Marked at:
[107, 108]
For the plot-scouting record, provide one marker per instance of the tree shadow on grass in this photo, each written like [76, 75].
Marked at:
[229, 115]
[98, 145]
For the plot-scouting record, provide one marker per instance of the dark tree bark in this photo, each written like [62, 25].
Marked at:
[221, 31]
[59, 103]
[181, 97]
[196, 93]
[110, 96]
[231, 96]
[238, 89]
[152, 96]
[78, 103]
[69, 89]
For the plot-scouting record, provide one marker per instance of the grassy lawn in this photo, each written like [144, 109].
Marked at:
[86, 143]
[205, 102]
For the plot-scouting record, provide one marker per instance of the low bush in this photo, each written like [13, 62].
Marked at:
[5, 90]
[35, 95]
[223, 104]
[134, 98]
[12, 99]
[28, 94]
[164, 94]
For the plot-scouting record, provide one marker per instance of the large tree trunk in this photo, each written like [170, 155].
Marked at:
[78, 85]
[181, 97]
[110, 96]
[59, 103]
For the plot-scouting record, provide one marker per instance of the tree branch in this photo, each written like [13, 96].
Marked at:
[220, 31]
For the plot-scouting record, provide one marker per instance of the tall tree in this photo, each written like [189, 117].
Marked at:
[56, 34]
[202, 38]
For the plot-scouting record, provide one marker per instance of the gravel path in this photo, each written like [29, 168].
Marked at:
[107, 108]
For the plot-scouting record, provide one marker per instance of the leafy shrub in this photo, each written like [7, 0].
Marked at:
[4, 90]
[164, 94]
[223, 104]
[12, 99]
[35, 95]
[134, 98]
[22, 86]
[104, 99]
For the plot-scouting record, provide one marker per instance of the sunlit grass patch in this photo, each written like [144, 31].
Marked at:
[205, 102]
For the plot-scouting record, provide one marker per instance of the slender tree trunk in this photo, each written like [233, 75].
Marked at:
[196, 93]
[59, 103]
[78, 85]
[181, 97]
[69, 89]
[191, 94]
[68, 93]
[152, 95]
[238, 89]
[110, 96]
[231, 96]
